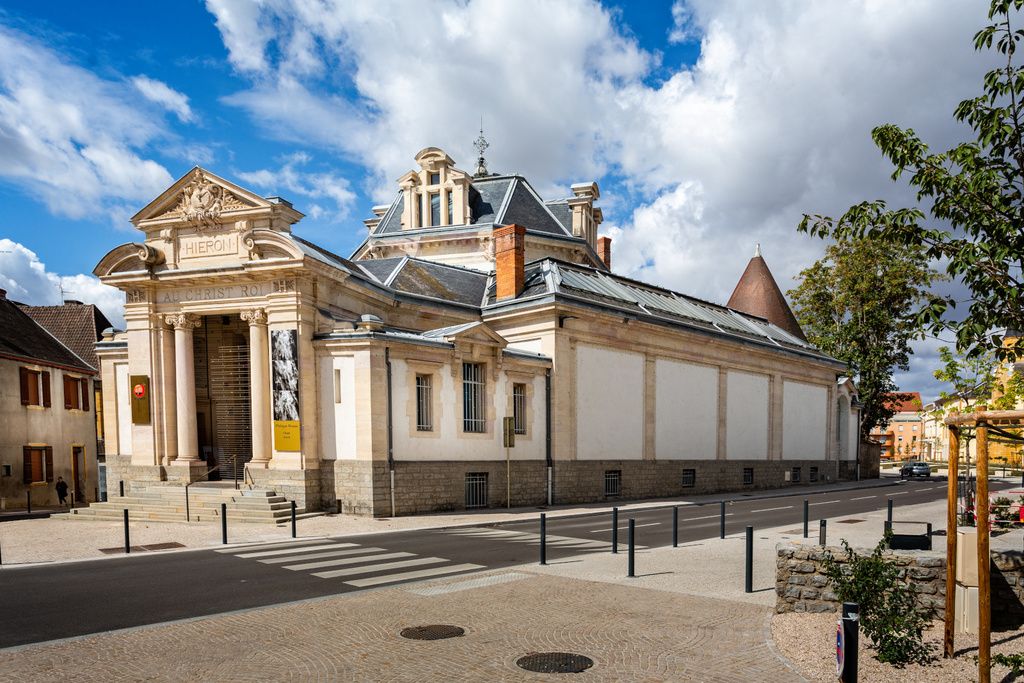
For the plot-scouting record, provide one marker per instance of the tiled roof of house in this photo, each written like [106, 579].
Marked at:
[23, 337]
[76, 325]
[906, 402]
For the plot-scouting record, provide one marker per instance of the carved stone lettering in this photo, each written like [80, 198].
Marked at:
[198, 247]
[175, 296]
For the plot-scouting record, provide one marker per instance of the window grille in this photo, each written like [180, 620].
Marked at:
[796, 475]
[748, 476]
[476, 490]
[613, 483]
[473, 385]
[814, 474]
[689, 478]
[519, 407]
[424, 398]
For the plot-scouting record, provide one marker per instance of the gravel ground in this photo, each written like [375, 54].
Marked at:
[808, 641]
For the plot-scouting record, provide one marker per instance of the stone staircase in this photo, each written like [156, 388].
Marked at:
[166, 503]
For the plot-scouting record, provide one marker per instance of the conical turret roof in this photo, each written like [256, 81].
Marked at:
[757, 294]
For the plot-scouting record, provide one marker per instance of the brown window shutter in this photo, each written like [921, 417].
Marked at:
[70, 386]
[46, 389]
[23, 377]
[49, 463]
[85, 393]
[27, 468]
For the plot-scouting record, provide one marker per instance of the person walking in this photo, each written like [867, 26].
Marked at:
[62, 491]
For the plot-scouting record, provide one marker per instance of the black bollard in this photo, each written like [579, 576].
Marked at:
[851, 645]
[889, 514]
[822, 525]
[721, 523]
[675, 527]
[632, 572]
[294, 535]
[28, 501]
[127, 534]
[748, 585]
[120, 487]
[807, 517]
[615, 530]
[224, 523]
[543, 538]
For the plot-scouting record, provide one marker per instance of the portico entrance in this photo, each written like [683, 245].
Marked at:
[223, 398]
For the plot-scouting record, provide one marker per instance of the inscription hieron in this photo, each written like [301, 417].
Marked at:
[198, 246]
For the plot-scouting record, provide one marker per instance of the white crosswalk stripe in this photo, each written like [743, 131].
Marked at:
[534, 539]
[327, 559]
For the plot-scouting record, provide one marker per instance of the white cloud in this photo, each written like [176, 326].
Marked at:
[27, 280]
[312, 185]
[72, 139]
[164, 95]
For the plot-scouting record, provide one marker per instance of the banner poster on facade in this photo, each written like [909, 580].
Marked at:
[285, 361]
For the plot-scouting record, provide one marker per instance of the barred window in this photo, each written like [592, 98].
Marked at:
[689, 478]
[613, 482]
[473, 409]
[796, 475]
[814, 474]
[424, 399]
[748, 476]
[519, 407]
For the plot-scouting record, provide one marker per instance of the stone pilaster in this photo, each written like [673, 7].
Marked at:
[259, 385]
[185, 384]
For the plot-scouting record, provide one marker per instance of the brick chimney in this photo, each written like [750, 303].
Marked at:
[509, 260]
[604, 250]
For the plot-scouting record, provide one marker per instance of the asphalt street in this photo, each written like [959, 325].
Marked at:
[71, 599]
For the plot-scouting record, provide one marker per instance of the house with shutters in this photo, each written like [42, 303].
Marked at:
[47, 414]
[476, 349]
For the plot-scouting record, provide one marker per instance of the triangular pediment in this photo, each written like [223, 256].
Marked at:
[199, 198]
[473, 333]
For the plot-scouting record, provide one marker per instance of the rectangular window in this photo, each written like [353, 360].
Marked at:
[337, 385]
[435, 178]
[914, 428]
[689, 478]
[900, 428]
[519, 407]
[476, 490]
[796, 475]
[474, 418]
[435, 208]
[814, 474]
[424, 399]
[38, 465]
[748, 476]
[72, 393]
[450, 212]
[35, 387]
[5, 470]
[613, 483]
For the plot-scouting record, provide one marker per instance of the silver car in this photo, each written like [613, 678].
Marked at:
[915, 469]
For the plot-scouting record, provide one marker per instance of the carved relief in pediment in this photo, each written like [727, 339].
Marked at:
[201, 202]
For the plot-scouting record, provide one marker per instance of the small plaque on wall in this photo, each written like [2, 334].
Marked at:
[287, 435]
[138, 385]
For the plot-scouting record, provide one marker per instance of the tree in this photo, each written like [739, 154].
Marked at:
[975, 188]
[857, 304]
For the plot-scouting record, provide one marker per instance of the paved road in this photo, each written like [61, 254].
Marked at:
[71, 599]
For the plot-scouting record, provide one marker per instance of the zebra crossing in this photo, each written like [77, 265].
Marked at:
[529, 538]
[359, 566]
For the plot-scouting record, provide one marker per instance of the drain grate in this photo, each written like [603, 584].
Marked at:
[555, 662]
[432, 632]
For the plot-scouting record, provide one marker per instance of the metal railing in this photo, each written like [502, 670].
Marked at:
[204, 477]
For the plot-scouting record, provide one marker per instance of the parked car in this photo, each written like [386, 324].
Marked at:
[915, 469]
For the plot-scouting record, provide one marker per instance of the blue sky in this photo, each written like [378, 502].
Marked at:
[709, 125]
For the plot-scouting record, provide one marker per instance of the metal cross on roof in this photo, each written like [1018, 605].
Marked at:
[481, 145]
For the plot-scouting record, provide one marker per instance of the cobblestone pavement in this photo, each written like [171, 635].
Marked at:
[632, 634]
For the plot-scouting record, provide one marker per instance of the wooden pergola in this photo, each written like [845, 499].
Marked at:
[983, 422]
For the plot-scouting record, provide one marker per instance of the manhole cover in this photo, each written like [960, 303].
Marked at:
[555, 663]
[432, 632]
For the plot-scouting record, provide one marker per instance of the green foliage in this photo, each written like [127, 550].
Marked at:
[976, 188]
[889, 614]
[857, 304]
[1015, 663]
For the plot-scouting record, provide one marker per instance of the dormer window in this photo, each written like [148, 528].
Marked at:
[435, 178]
[435, 195]
[435, 208]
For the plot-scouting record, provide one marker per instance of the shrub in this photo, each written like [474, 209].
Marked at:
[889, 613]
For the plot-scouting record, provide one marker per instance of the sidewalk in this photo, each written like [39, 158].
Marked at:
[50, 540]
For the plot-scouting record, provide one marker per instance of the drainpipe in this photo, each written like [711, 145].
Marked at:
[547, 429]
[391, 452]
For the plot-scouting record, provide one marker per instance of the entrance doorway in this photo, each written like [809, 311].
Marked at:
[77, 475]
[221, 352]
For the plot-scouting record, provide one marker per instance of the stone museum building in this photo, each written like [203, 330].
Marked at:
[474, 313]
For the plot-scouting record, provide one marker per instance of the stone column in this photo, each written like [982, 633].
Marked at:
[185, 384]
[259, 385]
[168, 391]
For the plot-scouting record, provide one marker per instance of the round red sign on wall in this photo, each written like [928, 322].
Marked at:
[139, 390]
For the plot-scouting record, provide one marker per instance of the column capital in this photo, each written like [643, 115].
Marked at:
[182, 321]
[255, 316]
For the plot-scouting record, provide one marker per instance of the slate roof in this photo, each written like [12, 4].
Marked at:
[435, 280]
[76, 325]
[757, 293]
[23, 337]
[526, 209]
[381, 269]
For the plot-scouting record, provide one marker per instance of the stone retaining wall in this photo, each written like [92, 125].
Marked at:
[801, 584]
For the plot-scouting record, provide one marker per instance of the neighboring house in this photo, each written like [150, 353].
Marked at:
[78, 326]
[904, 438]
[384, 380]
[48, 413]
